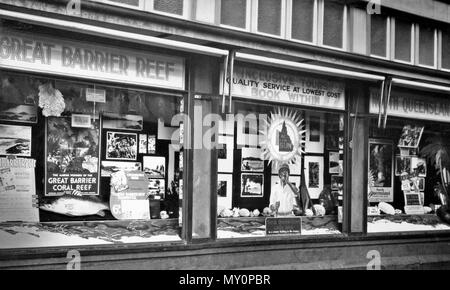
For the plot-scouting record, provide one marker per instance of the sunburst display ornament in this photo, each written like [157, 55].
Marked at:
[283, 137]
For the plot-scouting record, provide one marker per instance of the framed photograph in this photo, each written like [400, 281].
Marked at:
[252, 185]
[109, 167]
[151, 143]
[402, 165]
[421, 183]
[251, 160]
[143, 143]
[81, 121]
[337, 183]
[314, 175]
[314, 133]
[15, 140]
[224, 190]
[72, 158]
[123, 122]
[381, 171]
[411, 136]
[157, 187]
[332, 141]
[155, 166]
[225, 154]
[334, 158]
[121, 146]
[419, 166]
[18, 113]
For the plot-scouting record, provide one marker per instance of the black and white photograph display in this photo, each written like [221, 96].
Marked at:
[155, 166]
[15, 140]
[121, 146]
[18, 113]
[252, 185]
[122, 122]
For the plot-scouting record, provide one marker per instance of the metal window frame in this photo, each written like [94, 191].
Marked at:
[248, 16]
[417, 48]
[188, 9]
[289, 18]
[388, 40]
[321, 20]
[393, 42]
[254, 20]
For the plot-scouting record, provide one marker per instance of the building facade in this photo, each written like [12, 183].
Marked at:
[150, 134]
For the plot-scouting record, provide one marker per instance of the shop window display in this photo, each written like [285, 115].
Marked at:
[408, 176]
[304, 183]
[87, 163]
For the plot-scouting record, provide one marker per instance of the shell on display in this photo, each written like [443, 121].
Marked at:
[236, 212]
[320, 210]
[256, 213]
[427, 209]
[398, 211]
[267, 211]
[386, 208]
[243, 212]
[226, 213]
[309, 212]
[163, 214]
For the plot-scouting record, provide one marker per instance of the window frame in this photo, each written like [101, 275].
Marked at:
[248, 16]
[109, 2]
[440, 50]
[388, 40]
[188, 9]
[289, 18]
[413, 38]
[254, 20]
[321, 13]
[417, 48]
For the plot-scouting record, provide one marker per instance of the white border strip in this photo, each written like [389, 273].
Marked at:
[112, 33]
[307, 67]
[420, 85]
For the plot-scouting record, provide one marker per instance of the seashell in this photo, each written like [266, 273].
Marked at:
[320, 210]
[309, 212]
[386, 208]
[267, 211]
[427, 209]
[256, 213]
[163, 214]
[398, 211]
[243, 212]
[226, 213]
[236, 212]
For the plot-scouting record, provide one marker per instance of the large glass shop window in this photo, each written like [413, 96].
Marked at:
[100, 159]
[258, 196]
[408, 170]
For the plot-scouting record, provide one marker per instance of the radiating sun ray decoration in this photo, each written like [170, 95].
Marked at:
[283, 137]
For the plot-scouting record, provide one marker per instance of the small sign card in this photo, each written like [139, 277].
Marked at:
[95, 95]
[284, 226]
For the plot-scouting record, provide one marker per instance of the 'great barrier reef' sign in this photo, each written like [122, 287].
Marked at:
[25, 51]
